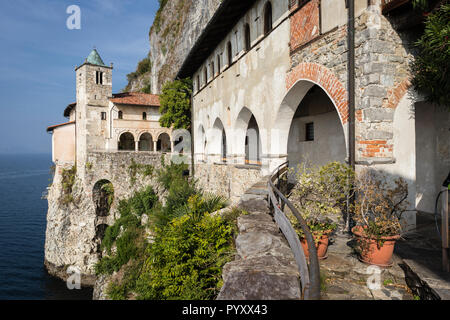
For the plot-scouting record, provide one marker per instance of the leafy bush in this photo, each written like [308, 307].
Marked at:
[171, 174]
[127, 232]
[189, 247]
[175, 107]
[186, 259]
[137, 168]
[378, 206]
[321, 192]
[67, 181]
[108, 188]
[431, 67]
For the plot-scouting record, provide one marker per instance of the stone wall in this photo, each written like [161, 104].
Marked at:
[228, 180]
[72, 229]
[382, 59]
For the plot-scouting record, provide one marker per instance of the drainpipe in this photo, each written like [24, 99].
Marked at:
[192, 134]
[351, 98]
[351, 81]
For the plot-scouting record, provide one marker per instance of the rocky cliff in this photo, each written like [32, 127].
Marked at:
[177, 25]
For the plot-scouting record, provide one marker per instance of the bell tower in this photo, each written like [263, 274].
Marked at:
[93, 90]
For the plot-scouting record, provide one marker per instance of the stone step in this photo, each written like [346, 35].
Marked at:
[265, 268]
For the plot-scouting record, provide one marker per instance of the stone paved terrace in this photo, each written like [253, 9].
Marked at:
[422, 257]
[344, 277]
[263, 256]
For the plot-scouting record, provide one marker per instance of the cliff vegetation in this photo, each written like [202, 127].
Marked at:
[170, 248]
[176, 27]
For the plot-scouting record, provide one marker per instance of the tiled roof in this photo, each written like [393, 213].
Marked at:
[51, 128]
[136, 98]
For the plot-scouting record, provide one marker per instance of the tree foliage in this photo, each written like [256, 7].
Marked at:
[431, 67]
[188, 246]
[175, 101]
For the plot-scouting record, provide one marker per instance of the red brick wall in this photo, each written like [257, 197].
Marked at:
[375, 148]
[327, 80]
[305, 24]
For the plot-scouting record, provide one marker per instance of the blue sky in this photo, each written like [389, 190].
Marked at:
[38, 56]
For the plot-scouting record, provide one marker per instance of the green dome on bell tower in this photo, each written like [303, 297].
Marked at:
[94, 58]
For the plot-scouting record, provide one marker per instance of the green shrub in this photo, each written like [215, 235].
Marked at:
[189, 248]
[186, 259]
[431, 68]
[116, 291]
[127, 233]
[67, 181]
[175, 100]
[138, 168]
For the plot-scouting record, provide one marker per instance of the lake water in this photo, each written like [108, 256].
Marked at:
[23, 179]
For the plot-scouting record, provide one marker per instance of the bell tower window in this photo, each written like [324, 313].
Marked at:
[99, 77]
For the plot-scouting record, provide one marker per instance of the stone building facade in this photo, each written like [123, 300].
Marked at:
[108, 136]
[271, 84]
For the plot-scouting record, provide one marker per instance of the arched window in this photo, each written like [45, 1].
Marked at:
[163, 144]
[146, 142]
[98, 77]
[218, 63]
[213, 72]
[267, 18]
[198, 82]
[224, 146]
[230, 53]
[144, 115]
[248, 43]
[205, 74]
[253, 143]
[120, 115]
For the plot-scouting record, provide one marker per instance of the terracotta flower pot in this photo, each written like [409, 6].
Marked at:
[321, 246]
[371, 253]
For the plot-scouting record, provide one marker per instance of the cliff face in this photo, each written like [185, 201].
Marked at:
[177, 26]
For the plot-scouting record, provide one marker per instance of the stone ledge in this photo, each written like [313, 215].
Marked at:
[87, 280]
[265, 268]
[425, 283]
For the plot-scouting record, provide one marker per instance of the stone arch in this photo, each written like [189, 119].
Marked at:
[127, 141]
[145, 142]
[241, 135]
[103, 197]
[215, 138]
[325, 79]
[268, 17]
[316, 136]
[298, 82]
[164, 142]
[395, 94]
[201, 142]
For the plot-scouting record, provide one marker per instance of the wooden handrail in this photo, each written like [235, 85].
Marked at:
[310, 277]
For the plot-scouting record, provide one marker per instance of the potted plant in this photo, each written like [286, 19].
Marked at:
[377, 212]
[319, 195]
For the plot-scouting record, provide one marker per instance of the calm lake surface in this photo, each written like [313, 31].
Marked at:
[23, 179]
